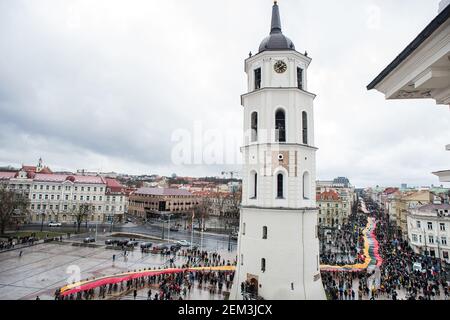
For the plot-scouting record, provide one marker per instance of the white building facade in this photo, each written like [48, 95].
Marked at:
[429, 230]
[278, 246]
[57, 197]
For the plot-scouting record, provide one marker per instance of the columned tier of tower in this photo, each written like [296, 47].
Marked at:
[264, 163]
[260, 113]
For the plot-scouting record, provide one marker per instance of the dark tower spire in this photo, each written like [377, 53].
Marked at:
[276, 40]
[276, 21]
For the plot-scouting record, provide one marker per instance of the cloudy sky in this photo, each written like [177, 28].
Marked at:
[113, 85]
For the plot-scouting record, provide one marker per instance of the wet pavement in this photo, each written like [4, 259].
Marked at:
[45, 267]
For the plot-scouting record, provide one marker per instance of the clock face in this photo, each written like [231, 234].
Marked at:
[280, 66]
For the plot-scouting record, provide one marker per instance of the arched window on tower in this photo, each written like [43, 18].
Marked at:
[253, 185]
[280, 126]
[280, 191]
[263, 264]
[305, 127]
[264, 235]
[254, 126]
[306, 186]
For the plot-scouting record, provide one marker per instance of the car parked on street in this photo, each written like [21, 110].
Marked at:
[111, 242]
[54, 224]
[122, 242]
[132, 243]
[146, 245]
[184, 243]
[89, 240]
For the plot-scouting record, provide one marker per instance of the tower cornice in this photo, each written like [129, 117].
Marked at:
[269, 53]
[268, 144]
[265, 89]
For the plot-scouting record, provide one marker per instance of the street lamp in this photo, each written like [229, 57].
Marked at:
[42, 220]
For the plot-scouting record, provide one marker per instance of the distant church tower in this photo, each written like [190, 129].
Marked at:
[278, 246]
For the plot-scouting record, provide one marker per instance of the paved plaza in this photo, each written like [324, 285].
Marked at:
[43, 268]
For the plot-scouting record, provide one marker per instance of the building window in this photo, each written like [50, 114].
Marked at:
[264, 236]
[263, 264]
[243, 228]
[257, 78]
[430, 226]
[242, 259]
[414, 237]
[300, 78]
[280, 186]
[442, 226]
[431, 239]
[444, 241]
[306, 187]
[280, 126]
[254, 126]
[418, 224]
[253, 185]
[305, 127]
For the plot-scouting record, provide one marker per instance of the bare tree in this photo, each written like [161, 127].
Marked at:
[203, 208]
[221, 202]
[234, 203]
[81, 213]
[11, 203]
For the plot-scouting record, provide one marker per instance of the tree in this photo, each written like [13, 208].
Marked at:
[81, 213]
[234, 203]
[11, 203]
[202, 209]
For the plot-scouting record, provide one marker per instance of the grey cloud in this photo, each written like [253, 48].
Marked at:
[104, 84]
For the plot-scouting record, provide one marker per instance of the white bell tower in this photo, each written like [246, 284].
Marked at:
[278, 246]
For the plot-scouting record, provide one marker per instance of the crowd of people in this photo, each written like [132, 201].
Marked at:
[395, 274]
[11, 242]
[345, 245]
[167, 286]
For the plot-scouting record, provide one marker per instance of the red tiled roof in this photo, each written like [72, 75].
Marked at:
[44, 177]
[113, 185]
[328, 195]
[390, 190]
[33, 169]
[7, 175]
[29, 168]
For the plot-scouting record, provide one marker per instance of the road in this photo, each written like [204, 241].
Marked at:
[210, 241]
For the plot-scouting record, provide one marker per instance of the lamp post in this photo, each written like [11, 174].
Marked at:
[42, 220]
[168, 229]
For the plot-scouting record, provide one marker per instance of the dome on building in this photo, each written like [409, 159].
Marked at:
[276, 40]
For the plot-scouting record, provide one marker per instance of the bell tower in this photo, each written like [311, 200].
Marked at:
[278, 246]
